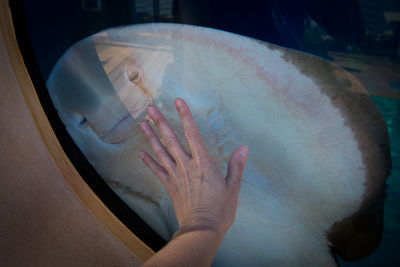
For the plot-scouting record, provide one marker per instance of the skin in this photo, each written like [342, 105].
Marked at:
[204, 200]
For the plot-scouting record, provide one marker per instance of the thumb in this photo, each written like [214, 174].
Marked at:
[236, 165]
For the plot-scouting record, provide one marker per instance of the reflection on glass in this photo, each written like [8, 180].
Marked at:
[318, 147]
[361, 36]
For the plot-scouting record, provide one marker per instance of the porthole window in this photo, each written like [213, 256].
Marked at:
[312, 87]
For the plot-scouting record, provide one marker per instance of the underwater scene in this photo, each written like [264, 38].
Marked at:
[99, 63]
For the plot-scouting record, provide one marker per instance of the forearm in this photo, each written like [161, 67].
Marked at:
[196, 248]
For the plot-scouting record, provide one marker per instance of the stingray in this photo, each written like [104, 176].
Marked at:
[314, 182]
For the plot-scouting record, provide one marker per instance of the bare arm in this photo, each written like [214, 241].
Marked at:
[204, 200]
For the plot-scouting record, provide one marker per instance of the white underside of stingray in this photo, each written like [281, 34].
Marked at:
[317, 144]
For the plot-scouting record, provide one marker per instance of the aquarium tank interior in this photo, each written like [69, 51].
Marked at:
[362, 37]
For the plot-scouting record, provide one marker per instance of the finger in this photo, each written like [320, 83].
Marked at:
[156, 169]
[236, 166]
[192, 133]
[160, 152]
[170, 139]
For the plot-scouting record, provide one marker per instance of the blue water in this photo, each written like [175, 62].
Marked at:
[388, 253]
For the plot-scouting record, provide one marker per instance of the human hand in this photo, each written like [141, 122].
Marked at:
[203, 199]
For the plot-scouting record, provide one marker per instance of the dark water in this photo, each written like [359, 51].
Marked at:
[388, 253]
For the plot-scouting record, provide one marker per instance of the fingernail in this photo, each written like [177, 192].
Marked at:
[151, 110]
[143, 125]
[141, 154]
[243, 151]
[179, 102]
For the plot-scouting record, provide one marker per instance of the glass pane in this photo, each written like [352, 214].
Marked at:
[293, 80]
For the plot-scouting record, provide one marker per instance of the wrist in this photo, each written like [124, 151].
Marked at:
[209, 230]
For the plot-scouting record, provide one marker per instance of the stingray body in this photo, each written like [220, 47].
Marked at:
[319, 152]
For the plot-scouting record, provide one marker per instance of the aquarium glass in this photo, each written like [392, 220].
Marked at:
[360, 36]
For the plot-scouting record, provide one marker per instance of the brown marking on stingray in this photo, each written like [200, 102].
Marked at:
[359, 234]
[129, 191]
